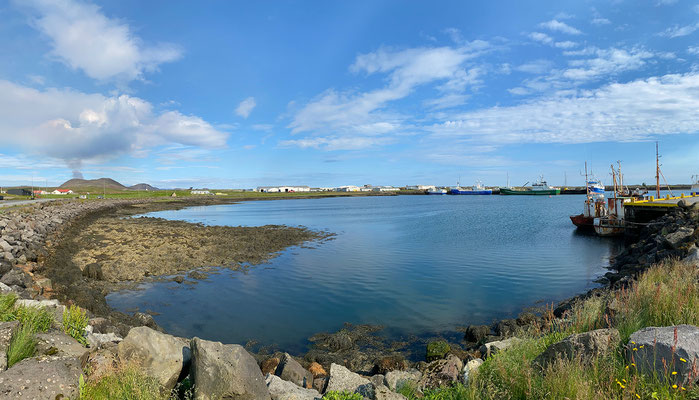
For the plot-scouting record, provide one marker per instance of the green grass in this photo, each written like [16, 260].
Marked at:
[39, 318]
[74, 323]
[7, 306]
[22, 344]
[342, 396]
[126, 383]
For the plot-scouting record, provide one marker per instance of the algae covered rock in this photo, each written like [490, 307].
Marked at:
[437, 350]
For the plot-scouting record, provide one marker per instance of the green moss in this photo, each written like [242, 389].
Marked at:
[437, 350]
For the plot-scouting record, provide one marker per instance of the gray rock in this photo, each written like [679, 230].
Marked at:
[99, 363]
[160, 355]
[290, 370]
[471, 367]
[33, 378]
[675, 239]
[396, 379]
[16, 277]
[58, 344]
[279, 389]
[492, 348]
[587, 346]
[5, 247]
[441, 372]
[476, 333]
[377, 380]
[147, 320]
[692, 256]
[381, 392]
[342, 379]
[6, 329]
[225, 371]
[4, 288]
[652, 349]
[98, 340]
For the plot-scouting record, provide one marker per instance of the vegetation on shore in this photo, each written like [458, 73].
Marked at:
[31, 320]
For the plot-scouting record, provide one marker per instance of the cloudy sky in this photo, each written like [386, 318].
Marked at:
[239, 94]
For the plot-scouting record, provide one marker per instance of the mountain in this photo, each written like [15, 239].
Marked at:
[142, 186]
[101, 183]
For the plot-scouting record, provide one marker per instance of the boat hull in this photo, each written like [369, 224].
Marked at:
[608, 227]
[471, 192]
[581, 221]
[547, 192]
[437, 192]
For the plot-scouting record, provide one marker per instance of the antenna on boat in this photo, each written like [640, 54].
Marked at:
[657, 172]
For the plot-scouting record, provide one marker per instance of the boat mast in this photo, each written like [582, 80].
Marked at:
[587, 190]
[657, 172]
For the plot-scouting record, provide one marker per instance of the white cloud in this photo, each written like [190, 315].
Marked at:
[245, 107]
[565, 44]
[558, 26]
[75, 126]
[679, 31]
[665, 2]
[607, 62]
[104, 48]
[694, 50]
[600, 21]
[535, 67]
[337, 142]
[632, 111]
[541, 37]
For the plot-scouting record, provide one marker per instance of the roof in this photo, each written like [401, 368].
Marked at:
[278, 186]
[64, 190]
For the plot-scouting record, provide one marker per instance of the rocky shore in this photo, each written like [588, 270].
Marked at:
[48, 254]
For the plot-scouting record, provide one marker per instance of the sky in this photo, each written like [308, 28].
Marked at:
[227, 94]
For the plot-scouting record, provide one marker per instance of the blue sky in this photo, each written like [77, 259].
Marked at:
[326, 93]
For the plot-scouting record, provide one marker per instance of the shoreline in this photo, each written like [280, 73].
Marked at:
[355, 346]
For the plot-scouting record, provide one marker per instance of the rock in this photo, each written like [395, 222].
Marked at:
[587, 346]
[98, 340]
[5, 267]
[317, 370]
[198, 275]
[178, 279]
[492, 348]
[396, 379]
[290, 370]
[675, 239]
[5, 247]
[506, 327]
[381, 392]
[147, 320]
[4, 288]
[320, 383]
[93, 271]
[58, 344]
[476, 333]
[339, 341]
[161, 356]
[280, 389]
[652, 348]
[33, 378]
[269, 366]
[6, 329]
[470, 367]
[377, 379]
[16, 277]
[692, 256]
[437, 350]
[526, 318]
[225, 371]
[99, 363]
[342, 379]
[390, 363]
[441, 372]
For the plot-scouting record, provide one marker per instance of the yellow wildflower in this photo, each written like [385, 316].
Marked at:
[624, 380]
[633, 364]
[674, 386]
[638, 396]
[632, 342]
[682, 359]
[635, 349]
[641, 346]
[674, 372]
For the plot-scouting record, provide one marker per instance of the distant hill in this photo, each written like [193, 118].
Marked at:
[143, 186]
[106, 183]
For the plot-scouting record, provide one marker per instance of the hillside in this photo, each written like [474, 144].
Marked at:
[143, 186]
[106, 183]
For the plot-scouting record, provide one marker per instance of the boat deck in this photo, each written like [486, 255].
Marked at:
[647, 210]
[666, 201]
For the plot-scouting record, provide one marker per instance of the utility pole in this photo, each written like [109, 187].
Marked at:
[657, 172]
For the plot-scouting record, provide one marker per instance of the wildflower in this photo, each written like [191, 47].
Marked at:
[674, 386]
[627, 367]
[632, 342]
[638, 396]
[635, 349]
[633, 364]
[641, 346]
[682, 359]
[624, 380]
[683, 388]
[674, 372]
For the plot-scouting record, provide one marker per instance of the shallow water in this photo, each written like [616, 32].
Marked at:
[416, 264]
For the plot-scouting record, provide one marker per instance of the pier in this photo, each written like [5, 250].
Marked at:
[641, 211]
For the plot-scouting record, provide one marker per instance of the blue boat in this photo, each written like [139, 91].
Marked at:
[478, 189]
[595, 187]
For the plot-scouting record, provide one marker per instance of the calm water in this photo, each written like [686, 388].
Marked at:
[416, 264]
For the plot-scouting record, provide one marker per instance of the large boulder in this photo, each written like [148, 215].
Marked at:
[225, 371]
[381, 392]
[587, 346]
[290, 370]
[33, 378]
[280, 389]
[655, 351]
[441, 372]
[471, 367]
[6, 329]
[492, 348]
[692, 256]
[58, 344]
[342, 379]
[390, 363]
[16, 277]
[675, 239]
[396, 379]
[476, 333]
[160, 355]
[436, 350]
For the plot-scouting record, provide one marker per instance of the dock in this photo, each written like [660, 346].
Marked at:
[642, 211]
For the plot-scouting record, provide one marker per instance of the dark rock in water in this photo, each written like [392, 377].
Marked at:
[290, 370]
[587, 346]
[441, 373]
[390, 363]
[147, 320]
[199, 275]
[269, 366]
[437, 350]
[31, 378]
[506, 327]
[527, 318]
[93, 271]
[657, 351]
[225, 371]
[178, 279]
[476, 333]
[16, 277]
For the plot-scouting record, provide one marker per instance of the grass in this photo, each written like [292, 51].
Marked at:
[22, 345]
[342, 396]
[31, 319]
[126, 382]
[74, 323]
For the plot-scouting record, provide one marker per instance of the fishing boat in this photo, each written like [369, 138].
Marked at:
[477, 189]
[540, 188]
[594, 207]
[695, 186]
[437, 191]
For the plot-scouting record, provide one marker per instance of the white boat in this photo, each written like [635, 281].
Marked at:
[437, 191]
[695, 186]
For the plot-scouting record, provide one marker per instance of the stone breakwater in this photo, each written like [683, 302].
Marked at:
[354, 359]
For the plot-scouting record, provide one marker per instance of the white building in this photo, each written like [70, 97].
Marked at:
[384, 189]
[348, 188]
[282, 189]
[197, 191]
[62, 191]
[421, 187]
